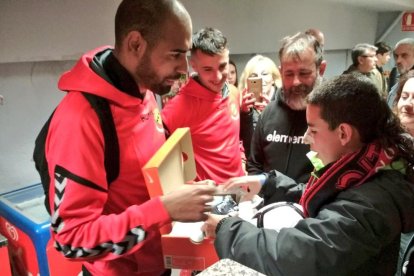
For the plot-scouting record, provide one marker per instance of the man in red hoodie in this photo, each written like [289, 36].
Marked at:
[209, 106]
[114, 229]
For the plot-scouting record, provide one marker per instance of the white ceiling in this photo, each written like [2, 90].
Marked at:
[379, 5]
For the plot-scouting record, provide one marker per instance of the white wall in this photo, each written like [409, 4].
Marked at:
[53, 30]
[30, 93]
[62, 29]
[258, 26]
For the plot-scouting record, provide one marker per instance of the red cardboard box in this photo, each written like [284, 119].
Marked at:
[170, 167]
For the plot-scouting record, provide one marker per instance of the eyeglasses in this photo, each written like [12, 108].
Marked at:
[368, 56]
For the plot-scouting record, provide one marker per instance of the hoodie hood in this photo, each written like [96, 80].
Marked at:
[202, 92]
[88, 75]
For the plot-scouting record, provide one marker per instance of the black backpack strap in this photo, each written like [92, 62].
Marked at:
[39, 158]
[102, 109]
[167, 132]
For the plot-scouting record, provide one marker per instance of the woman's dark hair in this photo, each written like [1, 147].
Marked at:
[237, 74]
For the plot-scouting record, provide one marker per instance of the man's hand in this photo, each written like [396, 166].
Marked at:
[189, 204]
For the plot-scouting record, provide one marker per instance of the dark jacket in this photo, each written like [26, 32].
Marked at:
[277, 143]
[248, 123]
[355, 233]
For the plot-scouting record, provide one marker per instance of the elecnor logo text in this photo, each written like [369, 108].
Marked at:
[282, 138]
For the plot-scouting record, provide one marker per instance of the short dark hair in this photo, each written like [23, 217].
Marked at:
[295, 45]
[346, 98]
[360, 50]
[145, 16]
[209, 41]
[382, 48]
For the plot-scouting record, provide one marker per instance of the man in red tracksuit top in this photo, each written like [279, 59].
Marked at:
[114, 229]
[210, 108]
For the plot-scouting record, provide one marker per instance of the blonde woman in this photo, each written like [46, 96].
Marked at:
[264, 68]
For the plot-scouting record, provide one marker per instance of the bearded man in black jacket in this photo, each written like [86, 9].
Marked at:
[277, 142]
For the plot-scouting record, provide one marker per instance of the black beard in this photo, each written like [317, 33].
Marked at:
[160, 89]
[147, 75]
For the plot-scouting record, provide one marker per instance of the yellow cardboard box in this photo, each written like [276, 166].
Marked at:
[170, 167]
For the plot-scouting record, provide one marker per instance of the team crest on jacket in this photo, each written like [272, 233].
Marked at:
[158, 120]
[234, 111]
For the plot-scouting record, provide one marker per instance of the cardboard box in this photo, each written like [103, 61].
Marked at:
[170, 167]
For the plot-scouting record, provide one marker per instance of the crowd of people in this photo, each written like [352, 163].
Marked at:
[356, 187]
